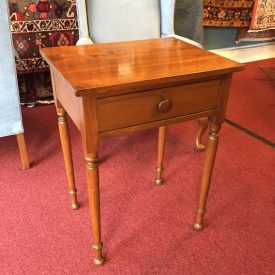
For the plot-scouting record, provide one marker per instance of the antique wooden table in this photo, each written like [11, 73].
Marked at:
[117, 88]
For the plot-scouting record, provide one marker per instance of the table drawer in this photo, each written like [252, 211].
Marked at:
[121, 111]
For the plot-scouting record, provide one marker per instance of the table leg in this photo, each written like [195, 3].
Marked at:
[67, 154]
[203, 125]
[94, 202]
[207, 173]
[23, 151]
[161, 147]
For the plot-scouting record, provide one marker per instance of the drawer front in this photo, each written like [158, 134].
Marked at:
[122, 111]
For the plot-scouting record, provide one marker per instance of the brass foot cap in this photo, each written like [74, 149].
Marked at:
[75, 206]
[99, 262]
[197, 226]
[158, 181]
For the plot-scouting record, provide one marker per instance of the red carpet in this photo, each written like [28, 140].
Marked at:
[252, 100]
[146, 229]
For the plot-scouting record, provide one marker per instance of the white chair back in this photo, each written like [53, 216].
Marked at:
[123, 20]
[10, 112]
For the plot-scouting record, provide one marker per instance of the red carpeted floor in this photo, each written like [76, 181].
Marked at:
[146, 229]
[252, 100]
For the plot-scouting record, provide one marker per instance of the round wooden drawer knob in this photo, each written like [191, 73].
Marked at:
[164, 106]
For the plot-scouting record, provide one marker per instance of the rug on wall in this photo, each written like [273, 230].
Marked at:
[263, 17]
[227, 13]
[262, 26]
[35, 24]
[35, 89]
[243, 34]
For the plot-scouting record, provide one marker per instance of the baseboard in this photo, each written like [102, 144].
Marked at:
[244, 54]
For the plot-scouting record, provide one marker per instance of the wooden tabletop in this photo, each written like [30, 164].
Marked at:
[112, 68]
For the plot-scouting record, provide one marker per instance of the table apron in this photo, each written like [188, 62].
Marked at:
[169, 103]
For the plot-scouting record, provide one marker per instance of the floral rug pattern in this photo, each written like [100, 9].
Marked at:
[263, 17]
[262, 27]
[41, 23]
[227, 13]
[35, 24]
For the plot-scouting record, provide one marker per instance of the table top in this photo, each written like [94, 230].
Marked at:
[109, 68]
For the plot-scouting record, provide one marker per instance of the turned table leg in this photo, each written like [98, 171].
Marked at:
[161, 147]
[67, 154]
[23, 151]
[203, 125]
[207, 173]
[94, 202]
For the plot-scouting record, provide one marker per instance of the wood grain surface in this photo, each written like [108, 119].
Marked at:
[114, 68]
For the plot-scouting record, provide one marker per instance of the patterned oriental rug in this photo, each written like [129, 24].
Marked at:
[263, 17]
[35, 24]
[227, 13]
[262, 26]
[243, 34]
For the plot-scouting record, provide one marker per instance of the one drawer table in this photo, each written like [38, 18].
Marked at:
[117, 88]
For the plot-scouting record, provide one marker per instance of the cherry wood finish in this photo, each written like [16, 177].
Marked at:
[212, 145]
[67, 153]
[203, 125]
[166, 103]
[23, 150]
[117, 88]
[161, 147]
[65, 140]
